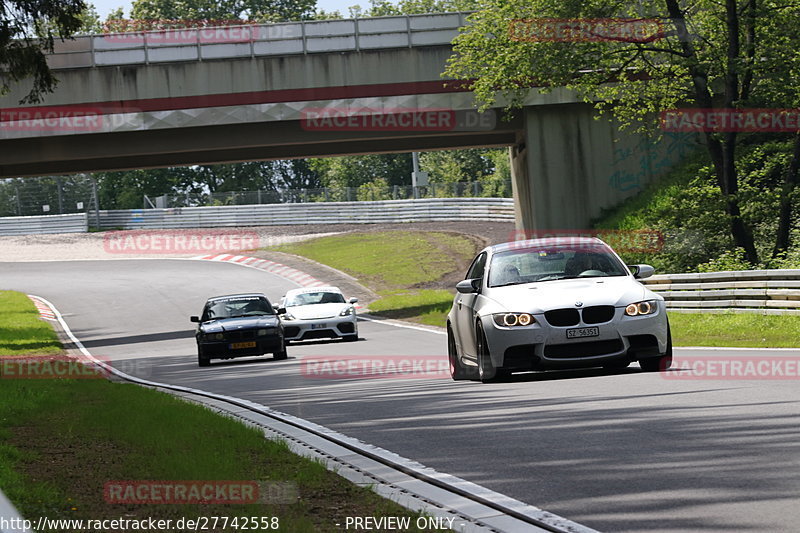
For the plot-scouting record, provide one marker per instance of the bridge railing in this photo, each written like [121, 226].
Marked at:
[256, 40]
[768, 292]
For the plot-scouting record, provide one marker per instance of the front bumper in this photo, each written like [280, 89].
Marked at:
[320, 328]
[225, 350]
[542, 346]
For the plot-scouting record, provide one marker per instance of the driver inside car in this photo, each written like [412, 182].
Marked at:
[580, 262]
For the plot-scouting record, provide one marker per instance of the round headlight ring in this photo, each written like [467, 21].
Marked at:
[510, 319]
[645, 308]
[524, 319]
[219, 336]
[632, 310]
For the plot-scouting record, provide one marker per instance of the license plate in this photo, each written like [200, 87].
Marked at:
[239, 345]
[319, 326]
[583, 332]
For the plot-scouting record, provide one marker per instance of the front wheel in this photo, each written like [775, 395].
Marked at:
[457, 369]
[281, 354]
[202, 360]
[663, 362]
[487, 372]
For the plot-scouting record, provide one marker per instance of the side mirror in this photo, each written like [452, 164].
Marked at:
[353, 300]
[641, 271]
[280, 310]
[194, 318]
[469, 286]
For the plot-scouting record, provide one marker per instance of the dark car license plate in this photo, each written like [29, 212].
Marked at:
[577, 333]
[239, 345]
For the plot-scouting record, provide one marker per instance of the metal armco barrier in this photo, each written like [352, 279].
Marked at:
[75, 223]
[768, 292]
[385, 211]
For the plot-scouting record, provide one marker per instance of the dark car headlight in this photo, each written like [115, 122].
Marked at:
[214, 336]
[267, 331]
[510, 320]
[648, 307]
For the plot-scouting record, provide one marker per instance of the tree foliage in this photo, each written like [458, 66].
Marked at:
[708, 54]
[28, 31]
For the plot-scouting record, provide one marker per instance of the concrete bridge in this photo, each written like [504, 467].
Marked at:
[313, 89]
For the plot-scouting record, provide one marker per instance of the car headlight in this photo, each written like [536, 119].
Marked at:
[287, 316]
[214, 336]
[642, 308]
[267, 331]
[347, 311]
[509, 320]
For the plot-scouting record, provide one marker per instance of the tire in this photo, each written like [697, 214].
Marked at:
[661, 363]
[201, 359]
[457, 369]
[281, 354]
[487, 372]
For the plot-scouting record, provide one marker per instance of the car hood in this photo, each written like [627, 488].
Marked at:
[307, 312]
[244, 322]
[546, 295]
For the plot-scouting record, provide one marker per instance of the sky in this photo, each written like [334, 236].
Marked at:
[104, 7]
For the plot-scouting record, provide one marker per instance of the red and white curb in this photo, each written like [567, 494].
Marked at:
[292, 274]
[45, 312]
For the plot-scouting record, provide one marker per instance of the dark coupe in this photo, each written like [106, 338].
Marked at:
[238, 325]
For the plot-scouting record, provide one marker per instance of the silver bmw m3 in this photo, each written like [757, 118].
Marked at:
[557, 303]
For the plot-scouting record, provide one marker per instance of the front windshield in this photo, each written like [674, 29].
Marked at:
[548, 263]
[237, 307]
[312, 298]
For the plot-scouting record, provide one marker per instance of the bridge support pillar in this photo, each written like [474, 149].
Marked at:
[567, 166]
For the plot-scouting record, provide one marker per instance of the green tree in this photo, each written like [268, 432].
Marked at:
[223, 10]
[27, 32]
[712, 54]
[354, 171]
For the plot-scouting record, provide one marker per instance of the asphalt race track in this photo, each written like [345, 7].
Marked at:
[624, 451]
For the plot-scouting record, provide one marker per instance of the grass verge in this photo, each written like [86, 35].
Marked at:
[407, 268]
[735, 330]
[62, 440]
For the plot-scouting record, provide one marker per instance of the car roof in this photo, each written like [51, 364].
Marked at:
[549, 241]
[313, 289]
[241, 295]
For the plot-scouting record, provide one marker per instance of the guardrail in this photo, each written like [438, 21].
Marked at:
[73, 223]
[256, 40]
[383, 211]
[768, 292]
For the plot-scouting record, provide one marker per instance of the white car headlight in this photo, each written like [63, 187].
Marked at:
[287, 316]
[509, 320]
[647, 307]
[347, 311]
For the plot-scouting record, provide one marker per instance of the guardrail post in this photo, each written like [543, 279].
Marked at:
[96, 199]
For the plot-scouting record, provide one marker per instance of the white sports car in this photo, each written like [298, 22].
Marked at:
[554, 303]
[318, 312]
